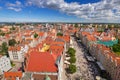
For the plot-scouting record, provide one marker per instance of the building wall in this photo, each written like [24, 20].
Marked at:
[18, 55]
[104, 57]
[60, 69]
[15, 55]
[117, 73]
[5, 64]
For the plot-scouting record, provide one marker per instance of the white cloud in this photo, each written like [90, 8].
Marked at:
[17, 6]
[102, 10]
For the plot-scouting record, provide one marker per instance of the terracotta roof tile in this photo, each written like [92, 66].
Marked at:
[12, 75]
[41, 62]
[16, 48]
[66, 38]
[118, 60]
[41, 33]
[57, 43]
[85, 33]
[91, 38]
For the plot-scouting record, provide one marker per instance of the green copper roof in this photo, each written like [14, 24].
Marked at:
[47, 77]
[108, 43]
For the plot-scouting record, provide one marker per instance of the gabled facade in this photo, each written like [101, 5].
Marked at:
[17, 53]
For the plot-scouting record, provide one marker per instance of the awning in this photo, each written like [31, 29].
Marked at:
[100, 65]
[65, 54]
[67, 58]
[66, 62]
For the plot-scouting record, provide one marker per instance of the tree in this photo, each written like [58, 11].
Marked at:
[72, 59]
[118, 41]
[71, 49]
[59, 34]
[12, 42]
[35, 35]
[2, 34]
[116, 49]
[76, 25]
[13, 28]
[72, 68]
[71, 52]
[4, 47]
[12, 64]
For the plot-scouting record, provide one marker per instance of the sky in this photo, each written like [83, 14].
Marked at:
[106, 11]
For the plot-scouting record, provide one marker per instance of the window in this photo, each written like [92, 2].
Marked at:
[15, 56]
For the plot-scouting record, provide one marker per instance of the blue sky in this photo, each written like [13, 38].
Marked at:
[59, 11]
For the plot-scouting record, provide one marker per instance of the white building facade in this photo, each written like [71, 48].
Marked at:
[5, 64]
[18, 55]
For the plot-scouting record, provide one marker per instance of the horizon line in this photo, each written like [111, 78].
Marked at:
[62, 22]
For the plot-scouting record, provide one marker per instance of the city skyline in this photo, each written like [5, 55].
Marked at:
[107, 11]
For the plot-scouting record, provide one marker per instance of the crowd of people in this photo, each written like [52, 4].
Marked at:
[85, 70]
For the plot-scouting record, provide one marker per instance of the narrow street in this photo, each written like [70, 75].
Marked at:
[84, 68]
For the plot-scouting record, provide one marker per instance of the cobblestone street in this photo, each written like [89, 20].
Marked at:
[84, 68]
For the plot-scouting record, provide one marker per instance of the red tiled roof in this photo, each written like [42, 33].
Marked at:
[57, 43]
[85, 33]
[16, 48]
[12, 75]
[29, 31]
[56, 47]
[105, 48]
[4, 29]
[7, 36]
[29, 39]
[106, 38]
[112, 55]
[48, 40]
[40, 45]
[99, 45]
[41, 62]
[96, 33]
[66, 38]
[66, 33]
[41, 33]
[57, 50]
[118, 60]
[91, 38]
[73, 31]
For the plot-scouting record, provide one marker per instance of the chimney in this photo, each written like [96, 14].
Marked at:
[50, 51]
